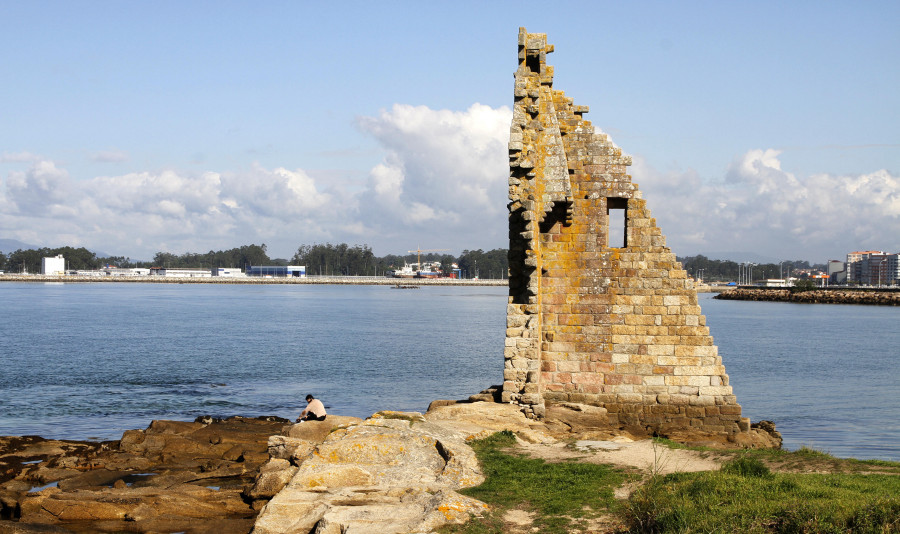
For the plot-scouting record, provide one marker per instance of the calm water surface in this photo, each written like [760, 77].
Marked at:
[88, 361]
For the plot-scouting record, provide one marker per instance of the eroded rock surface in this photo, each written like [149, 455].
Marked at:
[394, 472]
[172, 477]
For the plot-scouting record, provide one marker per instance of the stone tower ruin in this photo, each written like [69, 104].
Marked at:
[600, 312]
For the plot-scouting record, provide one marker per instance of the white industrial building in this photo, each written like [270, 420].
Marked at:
[228, 272]
[55, 266]
[180, 273]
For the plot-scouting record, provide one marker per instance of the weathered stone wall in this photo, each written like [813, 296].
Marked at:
[591, 321]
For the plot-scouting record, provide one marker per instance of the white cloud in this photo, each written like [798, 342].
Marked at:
[139, 214]
[43, 187]
[759, 207]
[441, 184]
[444, 178]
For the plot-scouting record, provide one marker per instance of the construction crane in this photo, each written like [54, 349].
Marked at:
[418, 252]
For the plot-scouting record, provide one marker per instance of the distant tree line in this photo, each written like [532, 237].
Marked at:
[29, 260]
[238, 257]
[319, 259]
[726, 270]
[359, 260]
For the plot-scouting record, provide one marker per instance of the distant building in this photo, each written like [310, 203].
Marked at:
[180, 273]
[89, 272]
[277, 271]
[879, 269]
[854, 264]
[121, 271]
[837, 272]
[55, 266]
[228, 272]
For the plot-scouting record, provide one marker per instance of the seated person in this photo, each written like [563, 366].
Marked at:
[315, 410]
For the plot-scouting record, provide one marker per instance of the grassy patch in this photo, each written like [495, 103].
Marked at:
[560, 495]
[745, 497]
[675, 445]
[810, 460]
[400, 416]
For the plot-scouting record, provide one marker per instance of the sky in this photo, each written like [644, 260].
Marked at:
[132, 128]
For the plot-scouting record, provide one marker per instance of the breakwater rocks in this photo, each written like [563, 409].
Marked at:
[817, 296]
[404, 283]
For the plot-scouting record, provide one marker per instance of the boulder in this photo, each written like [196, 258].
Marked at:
[317, 431]
[287, 448]
[579, 418]
[394, 472]
[273, 476]
[476, 420]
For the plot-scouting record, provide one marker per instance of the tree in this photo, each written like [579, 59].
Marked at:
[237, 257]
[165, 259]
[340, 259]
[726, 270]
[2, 261]
[803, 285]
[447, 262]
[254, 255]
[27, 260]
[117, 261]
[492, 264]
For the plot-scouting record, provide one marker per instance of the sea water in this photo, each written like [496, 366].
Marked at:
[88, 361]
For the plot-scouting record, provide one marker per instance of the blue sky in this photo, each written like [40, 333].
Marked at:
[137, 127]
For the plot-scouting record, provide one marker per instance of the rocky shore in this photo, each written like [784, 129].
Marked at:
[816, 296]
[393, 472]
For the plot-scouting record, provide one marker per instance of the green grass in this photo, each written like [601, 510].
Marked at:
[745, 496]
[748, 494]
[807, 459]
[559, 494]
[400, 416]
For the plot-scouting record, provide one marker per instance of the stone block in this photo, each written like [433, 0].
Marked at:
[715, 390]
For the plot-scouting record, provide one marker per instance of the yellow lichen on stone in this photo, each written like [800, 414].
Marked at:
[575, 296]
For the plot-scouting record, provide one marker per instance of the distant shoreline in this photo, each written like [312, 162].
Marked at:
[308, 280]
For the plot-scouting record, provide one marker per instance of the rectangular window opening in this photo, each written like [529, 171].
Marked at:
[617, 217]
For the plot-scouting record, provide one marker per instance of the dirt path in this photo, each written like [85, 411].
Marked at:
[645, 456]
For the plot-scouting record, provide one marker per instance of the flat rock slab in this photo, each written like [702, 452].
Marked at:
[589, 445]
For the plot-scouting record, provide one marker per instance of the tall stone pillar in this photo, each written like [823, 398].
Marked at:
[600, 312]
